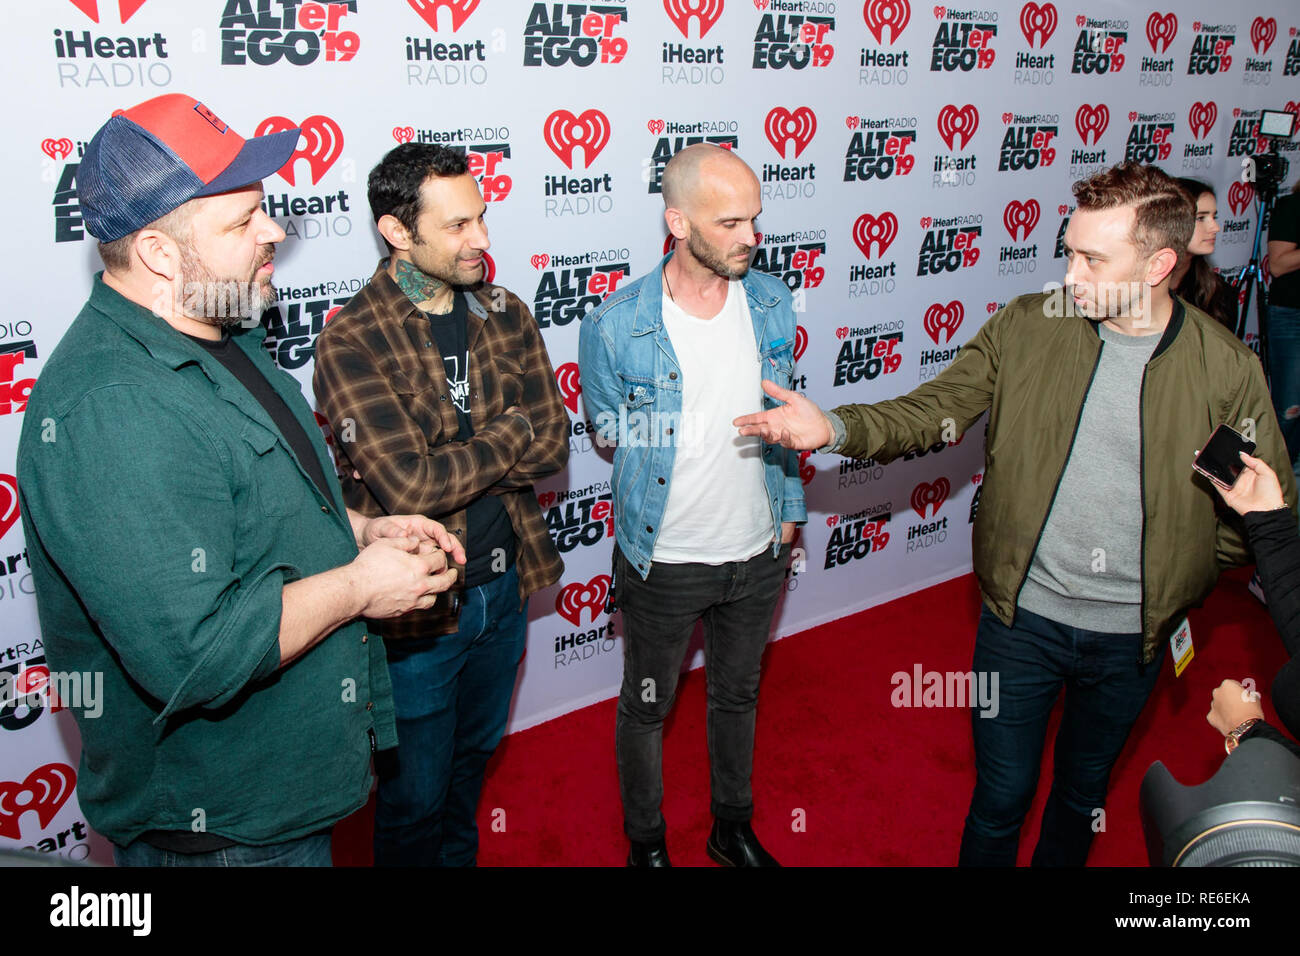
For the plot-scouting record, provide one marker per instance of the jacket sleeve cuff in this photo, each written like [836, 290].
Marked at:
[244, 652]
[838, 437]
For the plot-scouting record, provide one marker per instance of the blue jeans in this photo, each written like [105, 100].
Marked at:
[1106, 688]
[313, 850]
[452, 696]
[736, 602]
[1284, 372]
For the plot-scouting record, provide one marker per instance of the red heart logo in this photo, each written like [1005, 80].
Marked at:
[428, 11]
[991, 307]
[957, 126]
[925, 221]
[842, 332]
[878, 231]
[57, 148]
[1080, 20]
[1062, 209]
[323, 139]
[930, 497]
[8, 503]
[403, 134]
[1007, 117]
[1196, 26]
[572, 598]
[939, 12]
[1239, 197]
[761, 4]
[851, 122]
[655, 126]
[540, 260]
[1132, 115]
[546, 498]
[1236, 111]
[45, 790]
[784, 128]
[941, 322]
[832, 520]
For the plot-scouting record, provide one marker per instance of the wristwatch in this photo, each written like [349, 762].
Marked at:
[1234, 736]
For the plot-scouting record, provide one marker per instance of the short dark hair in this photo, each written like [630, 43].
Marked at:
[394, 185]
[1164, 215]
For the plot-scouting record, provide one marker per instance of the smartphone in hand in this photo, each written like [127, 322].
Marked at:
[1219, 459]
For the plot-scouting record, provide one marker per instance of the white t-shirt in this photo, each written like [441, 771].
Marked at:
[717, 507]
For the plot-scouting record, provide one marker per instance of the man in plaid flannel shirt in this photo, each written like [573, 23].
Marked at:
[443, 402]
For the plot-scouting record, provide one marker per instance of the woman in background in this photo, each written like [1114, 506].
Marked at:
[1193, 279]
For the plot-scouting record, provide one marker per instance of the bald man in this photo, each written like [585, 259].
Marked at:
[703, 519]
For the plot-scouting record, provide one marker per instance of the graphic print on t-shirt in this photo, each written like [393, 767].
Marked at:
[458, 381]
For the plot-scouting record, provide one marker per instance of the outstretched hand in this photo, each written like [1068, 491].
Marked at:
[798, 423]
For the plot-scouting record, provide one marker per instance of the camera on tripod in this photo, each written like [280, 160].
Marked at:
[1268, 170]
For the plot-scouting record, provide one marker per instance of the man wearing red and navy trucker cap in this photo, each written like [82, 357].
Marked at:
[188, 539]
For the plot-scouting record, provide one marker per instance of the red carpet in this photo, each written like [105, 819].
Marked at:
[841, 777]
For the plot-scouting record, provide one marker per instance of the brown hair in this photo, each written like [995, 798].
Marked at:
[1201, 284]
[1164, 216]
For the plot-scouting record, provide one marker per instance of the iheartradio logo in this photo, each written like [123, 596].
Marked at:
[541, 260]
[1262, 33]
[930, 496]
[800, 342]
[880, 14]
[842, 332]
[576, 597]
[832, 520]
[403, 134]
[8, 503]
[1201, 118]
[1091, 122]
[1038, 23]
[1239, 197]
[1161, 30]
[564, 132]
[958, 124]
[1021, 217]
[943, 321]
[878, 231]
[45, 790]
[320, 144]
[57, 148]
[704, 12]
[783, 127]
[570, 385]
[428, 11]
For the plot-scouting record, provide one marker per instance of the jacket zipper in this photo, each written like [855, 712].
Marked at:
[1056, 489]
[1142, 504]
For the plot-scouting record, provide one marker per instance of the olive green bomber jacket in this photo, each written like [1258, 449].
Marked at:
[1030, 367]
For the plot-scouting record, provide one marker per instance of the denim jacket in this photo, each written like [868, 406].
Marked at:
[632, 385]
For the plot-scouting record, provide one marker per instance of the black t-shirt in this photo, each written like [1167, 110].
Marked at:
[1285, 227]
[488, 531]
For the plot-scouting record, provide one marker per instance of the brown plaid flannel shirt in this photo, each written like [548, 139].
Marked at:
[381, 382]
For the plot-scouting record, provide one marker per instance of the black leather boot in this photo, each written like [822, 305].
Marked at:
[733, 844]
[648, 854]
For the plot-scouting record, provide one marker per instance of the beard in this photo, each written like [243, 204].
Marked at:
[225, 302]
[711, 256]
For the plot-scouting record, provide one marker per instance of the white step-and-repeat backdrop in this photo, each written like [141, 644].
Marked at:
[915, 160]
